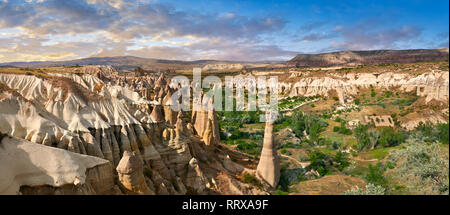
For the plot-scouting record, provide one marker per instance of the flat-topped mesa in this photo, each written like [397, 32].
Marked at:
[269, 166]
[131, 177]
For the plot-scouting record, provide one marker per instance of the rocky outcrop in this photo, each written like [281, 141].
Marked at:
[433, 86]
[131, 177]
[195, 180]
[32, 168]
[269, 166]
[206, 126]
[102, 115]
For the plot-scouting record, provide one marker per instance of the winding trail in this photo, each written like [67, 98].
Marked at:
[302, 164]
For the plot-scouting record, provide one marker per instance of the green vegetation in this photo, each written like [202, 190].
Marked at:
[342, 129]
[320, 162]
[375, 175]
[422, 168]
[148, 172]
[431, 133]
[371, 138]
[371, 189]
[389, 137]
[249, 178]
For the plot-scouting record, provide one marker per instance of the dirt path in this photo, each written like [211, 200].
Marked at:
[302, 164]
[291, 109]
[359, 159]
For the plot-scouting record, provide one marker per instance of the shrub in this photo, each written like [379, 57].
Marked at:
[320, 162]
[423, 167]
[357, 101]
[249, 178]
[375, 175]
[148, 172]
[443, 132]
[371, 189]
[372, 93]
[341, 160]
[388, 94]
[303, 158]
[280, 192]
[336, 128]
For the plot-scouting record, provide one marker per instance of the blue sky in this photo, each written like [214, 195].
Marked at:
[32, 30]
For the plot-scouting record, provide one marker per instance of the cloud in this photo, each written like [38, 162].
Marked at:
[312, 25]
[372, 34]
[114, 28]
[126, 20]
[317, 37]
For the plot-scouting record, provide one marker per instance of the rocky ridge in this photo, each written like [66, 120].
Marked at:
[123, 121]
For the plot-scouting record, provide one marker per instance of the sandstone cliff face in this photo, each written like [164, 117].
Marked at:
[431, 85]
[353, 58]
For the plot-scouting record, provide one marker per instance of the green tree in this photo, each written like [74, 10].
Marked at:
[375, 175]
[362, 136]
[342, 160]
[389, 137]
[443, 132]
[319, 162]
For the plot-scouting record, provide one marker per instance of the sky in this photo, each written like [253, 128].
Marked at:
[258, 30]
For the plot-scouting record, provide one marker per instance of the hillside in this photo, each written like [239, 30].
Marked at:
[373, 57]
[129, 62]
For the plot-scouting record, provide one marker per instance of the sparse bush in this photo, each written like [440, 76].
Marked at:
[375, 175]
[280, 192]
[372, 93]
[148, 173]
[371, 189]
[249, 178]
[341, 159]
[424, 168]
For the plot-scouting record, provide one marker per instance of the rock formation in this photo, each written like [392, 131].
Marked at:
[206, 125]
[269, 166]
[32, 168]
[131, 177]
